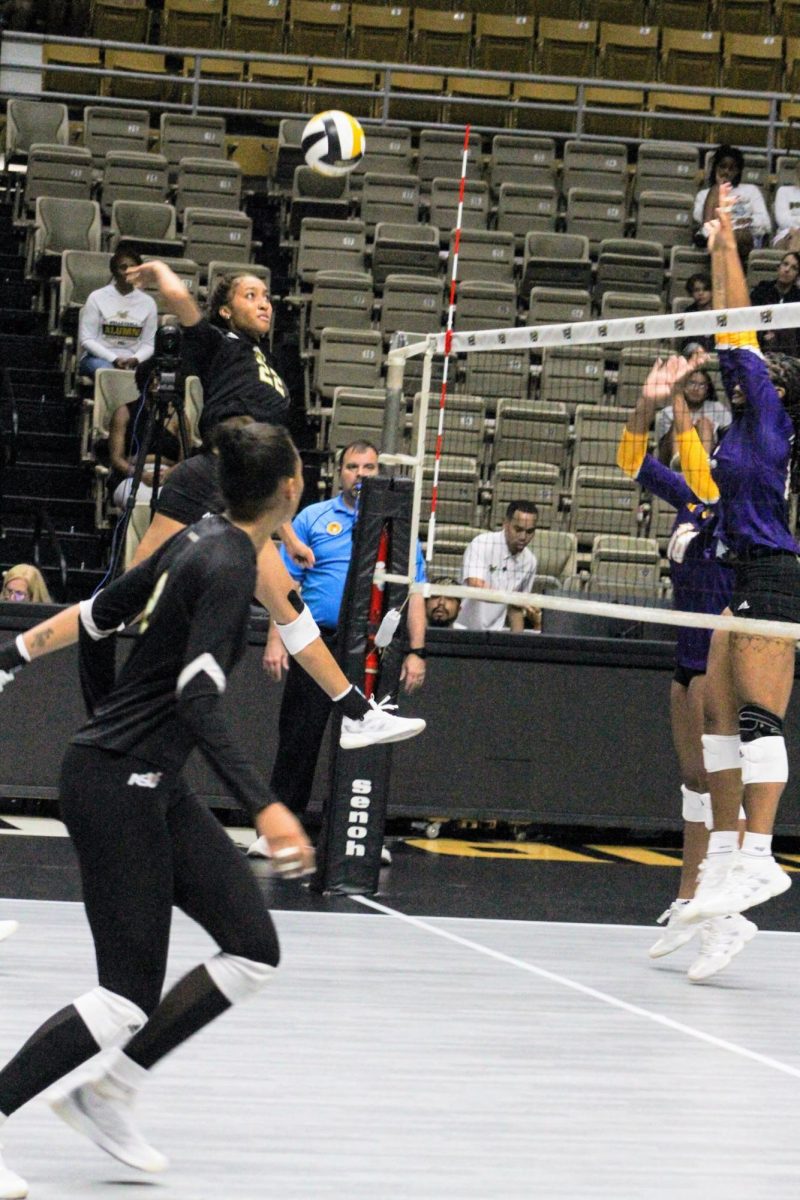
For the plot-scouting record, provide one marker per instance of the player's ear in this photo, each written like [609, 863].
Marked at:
[225, 312]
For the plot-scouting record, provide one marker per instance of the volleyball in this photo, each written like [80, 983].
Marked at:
[333, 142]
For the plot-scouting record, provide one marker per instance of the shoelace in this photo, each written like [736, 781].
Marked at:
[382, 706]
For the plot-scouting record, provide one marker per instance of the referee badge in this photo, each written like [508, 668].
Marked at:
[333, 528]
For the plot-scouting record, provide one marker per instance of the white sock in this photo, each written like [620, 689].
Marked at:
[757, 844]
[723, 841]
[125, 1073]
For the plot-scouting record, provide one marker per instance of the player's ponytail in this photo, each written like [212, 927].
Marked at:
[253, 461]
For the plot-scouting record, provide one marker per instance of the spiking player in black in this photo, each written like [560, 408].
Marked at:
[143, 843]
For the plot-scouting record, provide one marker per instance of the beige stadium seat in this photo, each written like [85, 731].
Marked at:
[763, 265]
[616, 11]
[484, 305]
[81, 272]
[341, 298]
[484, 256]
[116, 129]
[441, 154]
[630, 304]
[604, 501]
[751, 116]
[573, 375]
[786, 171]
[112, 389]
[544, 107]
[289, 152]
[133, 76]
[691, 54]
[623, 116]
[628, 51]
[685, 261]
[753, 62]
[441, 39]
[358, 413]
[743, 16]
[389, 153]
[330, 246]
[503, 42]
[187, 271]
[666, 167]
[191, 137]
[558, 306]
[598, 429]
[599, 165]
[55, 170]
[256, 25]
[565, 47]
[355, 85]
[463, 426]
[595, 214]
[498, 375]
[556, 552]
[192, 23]
[59, 225]
[69, 70]
[129, 175]
[787, 18]
[208, 183]
[679, 116]
[634, 561]
[523, 207]
[347, 358]
[120, 21]
[31, 122]
[449, 544]
[444, 198]
[392, 198]
[411, 249]
[219, 84]
[629, 265]
[144, 228]
[522, 160]
[457, 498]
[418, 98]
[315, 195]
[679, 14]
[538, 482]
[317, 29]
[274, 87]
[556, 260]
[478, 101]
[634, 367]
[665, 217]
[379, 33]
[215, 233]
[411, 304]
[533, 430]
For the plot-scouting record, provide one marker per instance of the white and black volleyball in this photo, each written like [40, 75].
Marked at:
[333, 142]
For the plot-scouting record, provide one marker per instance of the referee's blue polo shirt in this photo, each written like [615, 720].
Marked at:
[327, 528]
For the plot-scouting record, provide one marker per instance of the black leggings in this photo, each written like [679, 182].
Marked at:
[142, 849]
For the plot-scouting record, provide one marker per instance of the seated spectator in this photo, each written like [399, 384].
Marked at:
[698, 286]
[127, 426]
[442, 611]
[751, 220]
[502, 562]
[709, 415]
[786, 209]
[118, 322]
[24, 583]
[783, 289]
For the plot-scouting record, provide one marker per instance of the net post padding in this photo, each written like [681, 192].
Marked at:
[349, 854]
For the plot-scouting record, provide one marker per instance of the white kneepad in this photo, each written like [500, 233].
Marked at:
[721, 752]
[764, 761]
[696, 807]
[238, 978]
[110, 1018]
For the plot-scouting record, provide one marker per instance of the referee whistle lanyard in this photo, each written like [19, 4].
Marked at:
[376, 605]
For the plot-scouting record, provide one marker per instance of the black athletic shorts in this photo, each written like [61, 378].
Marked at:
[685, 675]
[767, 586]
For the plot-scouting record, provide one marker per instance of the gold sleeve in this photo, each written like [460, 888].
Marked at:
[737, 341]
[695, 466]
[631, 451]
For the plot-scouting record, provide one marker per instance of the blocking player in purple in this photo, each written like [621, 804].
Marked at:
[701, 582]
[750, 676]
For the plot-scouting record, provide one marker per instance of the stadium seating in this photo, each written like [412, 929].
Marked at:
[116, 130]
[144, 228]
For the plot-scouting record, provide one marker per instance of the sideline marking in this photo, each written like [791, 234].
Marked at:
[613, 1001]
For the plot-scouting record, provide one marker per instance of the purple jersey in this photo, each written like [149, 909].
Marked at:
[701, 582]
[751, 463]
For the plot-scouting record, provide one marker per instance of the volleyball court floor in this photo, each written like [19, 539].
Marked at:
[488, 1026]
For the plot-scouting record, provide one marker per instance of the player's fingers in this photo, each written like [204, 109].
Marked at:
[293, 862]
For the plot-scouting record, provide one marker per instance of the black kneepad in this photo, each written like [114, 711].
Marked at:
[757, 722]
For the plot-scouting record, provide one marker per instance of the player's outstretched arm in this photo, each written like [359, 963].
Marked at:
[172, 290]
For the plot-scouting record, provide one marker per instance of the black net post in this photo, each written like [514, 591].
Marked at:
[349, 852]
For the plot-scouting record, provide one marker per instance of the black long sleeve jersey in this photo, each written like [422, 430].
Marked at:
[237, 376]
[194, 593]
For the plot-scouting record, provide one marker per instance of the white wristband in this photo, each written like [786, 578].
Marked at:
[299, 633]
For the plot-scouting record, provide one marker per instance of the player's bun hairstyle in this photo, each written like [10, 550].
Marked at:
[224, 287]
[784, 371]
[725, 151]
[253, 459]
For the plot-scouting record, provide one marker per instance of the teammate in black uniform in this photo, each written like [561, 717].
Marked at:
[142, 841]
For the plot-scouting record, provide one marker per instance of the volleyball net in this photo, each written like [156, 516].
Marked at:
[502, 430]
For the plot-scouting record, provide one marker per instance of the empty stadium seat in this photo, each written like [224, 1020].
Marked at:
[138, 75]
[484, 256]
[679, 116]
[119, 20]
[632, 561]
[524, 160]
[558, 306]
[457, 492]
[556, 552]
[544, 107]
[503, 42]
[55, 170]
[441, 39]
[183, 136]
[392, 198]
[522, 207]
[444, 200]
[630, 304]
[389, 153]
[343, 299]
[752, 62]
[532, 429]
[256, 25]
[187, 271]
[573, 375]
[275, 87]
[565, 47]
[289, 152]
[409, 248]
[604, 501]
[441, 154]
[216, 233]
[665, 217]
[115, 129]
[629, 265]
[628, 51]
[34, 121]
[59, 225]
[379, 32]
[691, 54]
[600, 165]
[557, 260]
[353, 87]
[358, 413]
[743, 16]
[483, 305]
[208, 183]
[666, 167]
[70, 70]
[329, 246]
[316, 195]
[411, 304]
[475, 101]
[498, 376]
[144, 228]
[192, 23]
[417, 98]
[462, 425]
[635, 364]
[347, 358]
[595, 214]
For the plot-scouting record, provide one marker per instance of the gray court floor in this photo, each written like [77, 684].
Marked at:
[442, 1058]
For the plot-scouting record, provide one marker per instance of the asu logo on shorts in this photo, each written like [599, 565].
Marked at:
[333, 528]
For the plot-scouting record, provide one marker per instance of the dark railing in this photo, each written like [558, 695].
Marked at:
[43, 524]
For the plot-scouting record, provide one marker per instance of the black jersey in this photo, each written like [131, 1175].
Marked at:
[194, 593]
[191, 490]
[237, 377]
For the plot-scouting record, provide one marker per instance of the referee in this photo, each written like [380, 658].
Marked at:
[327, 529]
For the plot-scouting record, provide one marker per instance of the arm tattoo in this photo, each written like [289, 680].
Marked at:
[41, 638]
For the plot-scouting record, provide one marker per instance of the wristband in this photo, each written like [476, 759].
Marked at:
[421, 653]
[352, 703]
[14, 655]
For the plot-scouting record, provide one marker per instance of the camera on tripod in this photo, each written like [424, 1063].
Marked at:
[165, 378]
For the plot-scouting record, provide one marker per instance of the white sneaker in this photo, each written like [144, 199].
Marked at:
[6, 930]
[259, 849]
[103, 1111]
[386, 856]
[721, 939]
[12, 1186]
[675, 935]
[377, 727]
[750, 880]
[711, 877]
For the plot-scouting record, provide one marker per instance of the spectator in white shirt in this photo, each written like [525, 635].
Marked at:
[118, 322]
[787, 217]
[751, 220]
[501, 561]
